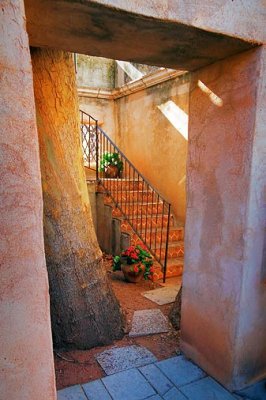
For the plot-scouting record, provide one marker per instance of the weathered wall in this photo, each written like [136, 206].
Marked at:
[27, 370]
[223, 321]
[229, 17]
[152, 143]
[251, 334]
[95, 72]
[101, 109]
[146, 34]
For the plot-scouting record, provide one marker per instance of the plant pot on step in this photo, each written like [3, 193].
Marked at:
[111, 171]
[133, 273]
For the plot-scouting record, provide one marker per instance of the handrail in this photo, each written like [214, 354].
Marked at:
[149, 219]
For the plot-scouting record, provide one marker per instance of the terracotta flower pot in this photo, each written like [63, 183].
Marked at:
[130, 275]
[111, 171]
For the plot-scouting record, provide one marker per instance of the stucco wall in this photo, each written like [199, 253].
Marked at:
[223, 321]
[26, 364]
[150, 140]
[103, 110]
[251, 346]
[95, 72]
[245, 19]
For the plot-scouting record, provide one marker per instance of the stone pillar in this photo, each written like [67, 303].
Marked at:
[27, 369]
[223, 320]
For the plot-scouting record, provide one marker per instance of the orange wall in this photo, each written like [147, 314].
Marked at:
[152, 143]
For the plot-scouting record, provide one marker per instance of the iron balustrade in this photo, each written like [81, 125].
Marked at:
[138, 202]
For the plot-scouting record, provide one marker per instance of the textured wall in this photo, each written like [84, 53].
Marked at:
[154, 145]
[224, 299]
[27, 370]
[95, 72]
[101, 109]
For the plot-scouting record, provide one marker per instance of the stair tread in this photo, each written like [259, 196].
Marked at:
[164, 229]
[171, 262]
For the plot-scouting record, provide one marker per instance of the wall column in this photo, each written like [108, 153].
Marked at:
[224, 293]
[27, 369]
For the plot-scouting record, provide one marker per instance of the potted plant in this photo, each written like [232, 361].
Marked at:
[135, 263]
[111, 165]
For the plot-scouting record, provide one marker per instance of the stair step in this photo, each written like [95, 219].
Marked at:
[150, 222]
[123, 184]
[175, 250]
[174, 268]
[130, 196]
[138, 209]
[175, 234]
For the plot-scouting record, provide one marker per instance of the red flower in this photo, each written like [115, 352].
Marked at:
[136, 268]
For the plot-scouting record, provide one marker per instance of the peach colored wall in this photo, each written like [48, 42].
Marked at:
[27, 370]
[224, 299]
[102, 110]
[152, 143]
[241, 19]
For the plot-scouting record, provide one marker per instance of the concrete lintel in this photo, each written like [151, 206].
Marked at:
[105, 31]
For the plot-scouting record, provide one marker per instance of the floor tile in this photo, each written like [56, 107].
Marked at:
[174, 394]
[255, 392]
[128, 385]
[207, 389]
[155, 397]
[148, 322]
[71, 393]
[162, 296]
[96, 390]
[180, 371]
[156, 378]
[122, 358]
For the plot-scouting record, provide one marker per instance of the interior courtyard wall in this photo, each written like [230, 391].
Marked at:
[152, 143]
[101, 109]
[95, 72]
[223, 320]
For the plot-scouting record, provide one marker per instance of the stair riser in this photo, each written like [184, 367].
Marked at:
[175, 252]
[138, 209]
[149, 223]
[123, 185]
[170, 273]
[129, 197]
[174, 236]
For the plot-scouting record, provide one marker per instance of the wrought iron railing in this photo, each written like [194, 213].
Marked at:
[139, 203]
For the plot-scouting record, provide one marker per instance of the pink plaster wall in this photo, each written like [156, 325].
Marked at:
[27, 370]
[251, 333]
[224, 300]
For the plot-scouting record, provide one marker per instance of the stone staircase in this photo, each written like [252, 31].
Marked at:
[146, 214]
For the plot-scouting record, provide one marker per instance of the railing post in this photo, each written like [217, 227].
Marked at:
[166, 244]
[97, 152]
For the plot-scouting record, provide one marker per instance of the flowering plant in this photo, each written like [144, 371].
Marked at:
[139, 259]
[110, 159]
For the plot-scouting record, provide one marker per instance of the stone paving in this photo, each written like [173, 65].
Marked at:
[163, 295]
[148, 322]
[173, 379]
[119, 359]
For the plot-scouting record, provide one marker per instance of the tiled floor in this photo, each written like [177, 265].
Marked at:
[172, 379]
